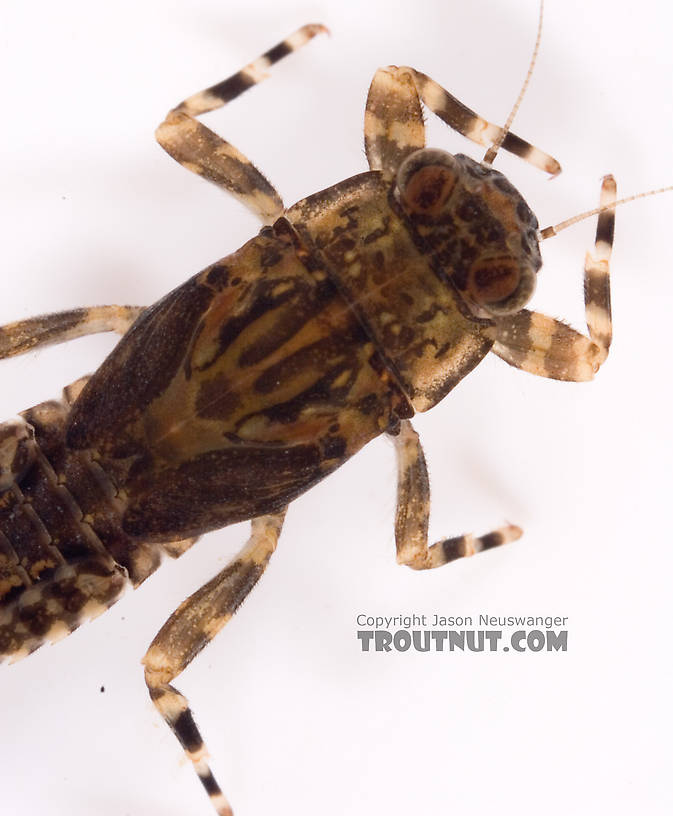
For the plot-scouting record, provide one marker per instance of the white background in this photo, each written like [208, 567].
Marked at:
[298, 721]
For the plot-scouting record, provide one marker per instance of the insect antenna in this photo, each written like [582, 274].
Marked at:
[549, 232]
[492, 152]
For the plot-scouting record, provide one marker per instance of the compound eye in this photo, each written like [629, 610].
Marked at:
[500, 285]
[426, 180]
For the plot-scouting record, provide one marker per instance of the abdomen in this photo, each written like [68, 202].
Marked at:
[64, 556]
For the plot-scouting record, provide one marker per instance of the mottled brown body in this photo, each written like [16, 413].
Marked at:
[263, 381]
[246, 385]
[238, 391]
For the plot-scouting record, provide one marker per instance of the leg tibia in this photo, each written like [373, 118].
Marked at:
[200, 150]
[549, 348]
[461, 118]
[597, 273]
[191, 627]
[226, 91]
[413, 512]
[464, 546]
[394, 121]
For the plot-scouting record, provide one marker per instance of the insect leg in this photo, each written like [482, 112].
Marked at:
[46, 330]
[191, 627]
[413, 513]
[474, 127]
[549, 348]
[393, 120]
[200, 150]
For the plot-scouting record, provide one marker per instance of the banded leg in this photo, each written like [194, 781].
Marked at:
[191, 627]
[413, 513]
[394, 123]
[547, 347]
[46, 330]
[205, 153]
